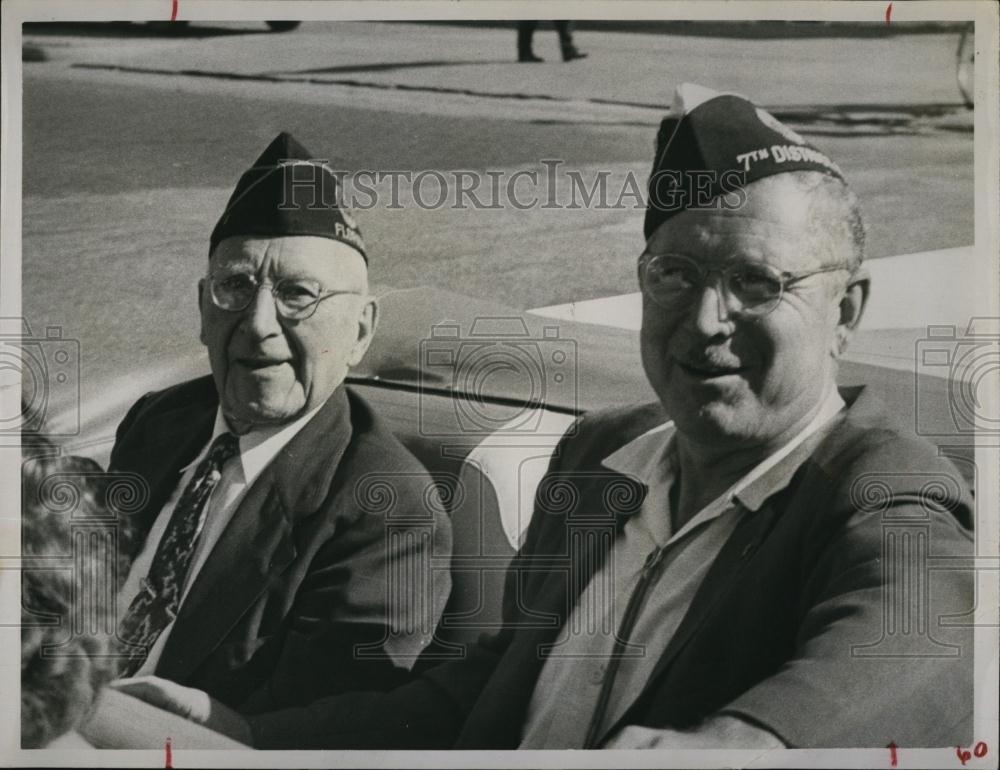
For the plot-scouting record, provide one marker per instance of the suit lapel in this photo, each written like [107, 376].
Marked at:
[577, 544]
[588, 534]
[728, 565]
[257, 543]
[170, 442]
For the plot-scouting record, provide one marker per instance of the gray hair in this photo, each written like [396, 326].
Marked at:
[833, 208]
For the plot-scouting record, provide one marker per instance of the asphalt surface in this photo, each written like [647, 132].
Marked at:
[132, 142]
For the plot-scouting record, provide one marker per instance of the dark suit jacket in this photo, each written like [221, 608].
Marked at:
[309, 567]
[806, 622]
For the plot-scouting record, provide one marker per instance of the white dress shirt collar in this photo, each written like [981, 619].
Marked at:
[257, 447]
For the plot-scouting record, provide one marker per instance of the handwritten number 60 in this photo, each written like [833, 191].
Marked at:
[979, 751]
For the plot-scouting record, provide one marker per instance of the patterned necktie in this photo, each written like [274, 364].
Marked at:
[159, 599]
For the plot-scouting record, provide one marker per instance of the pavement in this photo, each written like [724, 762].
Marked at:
[623, 71]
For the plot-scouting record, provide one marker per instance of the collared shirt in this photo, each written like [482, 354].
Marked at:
[257, 449]
[570, 682]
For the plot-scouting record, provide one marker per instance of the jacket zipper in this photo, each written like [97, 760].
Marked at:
[647, 575]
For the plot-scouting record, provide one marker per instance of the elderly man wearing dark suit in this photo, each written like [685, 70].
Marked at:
[714, 570]
[267, 575]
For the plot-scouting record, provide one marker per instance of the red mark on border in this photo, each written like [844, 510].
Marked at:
[168, 758]
[888, 13]
[892, 753]
[173, 10]
[979, 751]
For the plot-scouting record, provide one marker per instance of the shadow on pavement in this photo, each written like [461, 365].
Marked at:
[129, 29]
[857, 119]
[389, 66]
[754, 30]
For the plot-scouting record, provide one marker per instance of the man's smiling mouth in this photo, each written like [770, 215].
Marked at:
[707, 369]
[256, 364]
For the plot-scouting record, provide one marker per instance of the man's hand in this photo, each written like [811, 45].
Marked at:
[195, 705]
[722, 732]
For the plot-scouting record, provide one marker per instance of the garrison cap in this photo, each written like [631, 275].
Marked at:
[713, 144]
[288, 192]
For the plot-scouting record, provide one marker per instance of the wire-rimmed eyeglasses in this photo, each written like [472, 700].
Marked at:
[673, 281]
[294, 298]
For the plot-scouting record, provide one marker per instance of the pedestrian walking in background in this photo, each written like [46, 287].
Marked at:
[526, 30]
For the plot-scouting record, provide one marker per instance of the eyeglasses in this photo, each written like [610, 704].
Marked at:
[752, 288]
[295, 299]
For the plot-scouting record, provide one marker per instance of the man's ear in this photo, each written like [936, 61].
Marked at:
[367, 323]
[851, 308]
[201, 310]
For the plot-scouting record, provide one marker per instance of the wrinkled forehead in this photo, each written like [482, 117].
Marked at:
[773, 223]
[331, 262]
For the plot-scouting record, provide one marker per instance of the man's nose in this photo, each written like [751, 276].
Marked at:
[710, 312]
[261, 316]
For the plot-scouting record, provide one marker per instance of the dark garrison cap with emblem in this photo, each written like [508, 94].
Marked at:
[288, 192]
[720, 142]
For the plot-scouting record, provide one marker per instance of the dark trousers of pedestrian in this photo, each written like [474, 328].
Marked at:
[526, 30]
